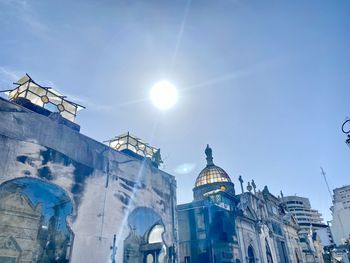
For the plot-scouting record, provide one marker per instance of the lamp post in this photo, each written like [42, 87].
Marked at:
[346, 130]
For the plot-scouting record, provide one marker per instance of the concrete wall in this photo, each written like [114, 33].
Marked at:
[104, 185]
[340, 224]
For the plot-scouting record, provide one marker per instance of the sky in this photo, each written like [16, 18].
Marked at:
[265, 83]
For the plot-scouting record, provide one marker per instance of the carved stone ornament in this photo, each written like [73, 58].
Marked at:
[9, 243]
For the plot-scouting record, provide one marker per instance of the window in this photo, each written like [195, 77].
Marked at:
[268, 252]
[251, 254]
[283, 251]
[144, 242]
[33, 215]
[155, 235]
[150, 258]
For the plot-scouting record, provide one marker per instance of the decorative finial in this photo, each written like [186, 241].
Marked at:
[254, 186]
[157, 159]
[265, 191]
[209, 154]
[249, 187]
[241, 182]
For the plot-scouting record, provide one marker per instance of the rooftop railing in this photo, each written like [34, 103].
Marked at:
[129, 142]
[45, 97]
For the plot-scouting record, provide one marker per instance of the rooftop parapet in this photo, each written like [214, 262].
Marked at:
[45, 97]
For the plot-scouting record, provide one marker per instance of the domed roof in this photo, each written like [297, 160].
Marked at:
[211, 173]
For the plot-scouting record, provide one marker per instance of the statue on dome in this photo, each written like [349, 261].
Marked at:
[209, 154]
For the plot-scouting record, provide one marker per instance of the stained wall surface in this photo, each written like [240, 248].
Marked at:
[90, 192]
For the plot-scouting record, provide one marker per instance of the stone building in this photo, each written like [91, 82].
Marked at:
[20, 222]
[82, 200]
[222, 226]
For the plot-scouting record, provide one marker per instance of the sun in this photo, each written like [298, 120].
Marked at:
[164, 95]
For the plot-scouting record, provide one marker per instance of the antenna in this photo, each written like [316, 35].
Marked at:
[325, 179]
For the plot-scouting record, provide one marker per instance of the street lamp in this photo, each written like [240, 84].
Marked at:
[346, 131]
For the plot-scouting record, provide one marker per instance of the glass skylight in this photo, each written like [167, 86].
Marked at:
[132, 143]
[45, 97]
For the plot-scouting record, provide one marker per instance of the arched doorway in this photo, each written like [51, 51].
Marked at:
[145, 241]
[33, 216]
[251, 254]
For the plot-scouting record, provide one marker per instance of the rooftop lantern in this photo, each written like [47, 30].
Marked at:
[131, 144]
[45, 97]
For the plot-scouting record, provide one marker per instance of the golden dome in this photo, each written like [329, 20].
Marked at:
[212, 174]
[212, 179]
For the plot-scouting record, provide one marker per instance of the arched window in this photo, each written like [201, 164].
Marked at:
[33, 217]
[268, 252]
[145, 241]
[251, 254]
[297, 256]
[150, 258]
[155, 235]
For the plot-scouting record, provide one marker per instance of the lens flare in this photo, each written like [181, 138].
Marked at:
[184, 168]
[164, 95]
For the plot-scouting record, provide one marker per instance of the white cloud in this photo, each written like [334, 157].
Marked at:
[24, 14]
[88, 103]
[11, 74]
[8, 76]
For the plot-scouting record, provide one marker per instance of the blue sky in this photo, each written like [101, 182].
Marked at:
[265, 83]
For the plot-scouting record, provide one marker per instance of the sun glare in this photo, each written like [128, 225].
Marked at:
[164, 95]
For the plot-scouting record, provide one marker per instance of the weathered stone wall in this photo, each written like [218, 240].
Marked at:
[265, 236]
[103, 184]
[294, 249]
[247, 236]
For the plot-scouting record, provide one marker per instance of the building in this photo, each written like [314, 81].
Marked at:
[20, 223]
[341, 215]
[300, 207]
[308, 217]
[314, 233]
[78, 198]
[222, 226]
[65, 197]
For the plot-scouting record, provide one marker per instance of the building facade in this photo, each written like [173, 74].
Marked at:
[314, 233]
[341, 215]
[65, 197]
[306, 216]
[222, 226]
[19, 218]
[301, 208]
